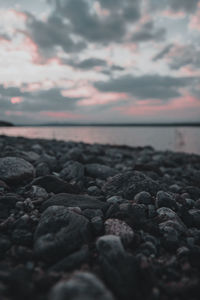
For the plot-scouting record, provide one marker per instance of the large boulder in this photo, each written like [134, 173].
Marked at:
[54, 184]
[119, 268]
[59, 233]
[71, 200]
[16, 170]
[128, 184]
[82, 286]
[99, 171]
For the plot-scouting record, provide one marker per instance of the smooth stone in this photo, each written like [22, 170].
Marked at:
[164, 199]
[7, 203]
[15, 170]
[72, 261]
[128, 184]
[143, 198]
[114, 199]
[99, 171]
[59, 233]
[195, 214]
[73, 170]
[67, 200]
[119, 228]
[119, 268]
[82, 286]
[54, 184]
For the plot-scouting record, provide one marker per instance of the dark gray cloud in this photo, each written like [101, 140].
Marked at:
[146, 86]
[163, 52]
[42, 100]
[189, 6]
[51, 34]
[148, 32]
[4, 36]
[89, 25]
[185, 55]
[87, 63]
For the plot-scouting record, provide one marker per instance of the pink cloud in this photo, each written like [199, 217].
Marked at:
[177, 106]
[174, 15]
[61, 114]
[195, 20]
[100, 11]
[16, 100]
[13, 113]
[19, 14]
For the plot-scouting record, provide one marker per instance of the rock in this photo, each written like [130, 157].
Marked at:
[119, 268]
[7, 203]
[82, 286]
[164, 199]
[42, 169]
[94, 190]
[143, 198]
[82, 201]
[97, 225]
[128, 184]
[119, 228]
[114, 199]
[5, 244]
[59, 233]
[50, 160]
[54, 184]
[72, 261]
[91, 213]
[167, 217]
[195, 215]
[73, 170]
[99, 171]
[15, 170]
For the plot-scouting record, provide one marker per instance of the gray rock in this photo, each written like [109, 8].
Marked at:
[54, 184]
[195, 214]
[99, 171]
[15, 170]
[73, 170]
[119, 268]
[67, 200]
[119, 228]
[59, 233]
[164, 199]
[72, 261]
[128, 184]
[114, 199]
[143, 198]
[82, 286]
[97, 225]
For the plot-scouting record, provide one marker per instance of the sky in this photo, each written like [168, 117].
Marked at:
[99, 61]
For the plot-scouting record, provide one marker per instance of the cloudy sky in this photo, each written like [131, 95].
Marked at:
[99, 61]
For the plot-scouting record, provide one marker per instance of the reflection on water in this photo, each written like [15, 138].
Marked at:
[186, 139]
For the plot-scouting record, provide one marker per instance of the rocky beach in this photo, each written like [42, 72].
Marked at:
[89, 221]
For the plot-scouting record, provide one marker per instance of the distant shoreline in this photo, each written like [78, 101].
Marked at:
[112, 125]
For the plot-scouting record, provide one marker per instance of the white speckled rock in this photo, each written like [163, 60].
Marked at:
[119, 228]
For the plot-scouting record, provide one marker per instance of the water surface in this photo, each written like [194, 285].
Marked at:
[184, 139]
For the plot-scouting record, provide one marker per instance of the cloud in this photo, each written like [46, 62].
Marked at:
[184, 55]
[146, 86]
[148, 32]
[50, 34]
[88, 24]
[36, 101]
[188, 6]
[163, 52]
[4, 37]
[87, 64]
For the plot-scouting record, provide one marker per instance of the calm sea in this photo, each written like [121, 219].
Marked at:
[184, 139]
